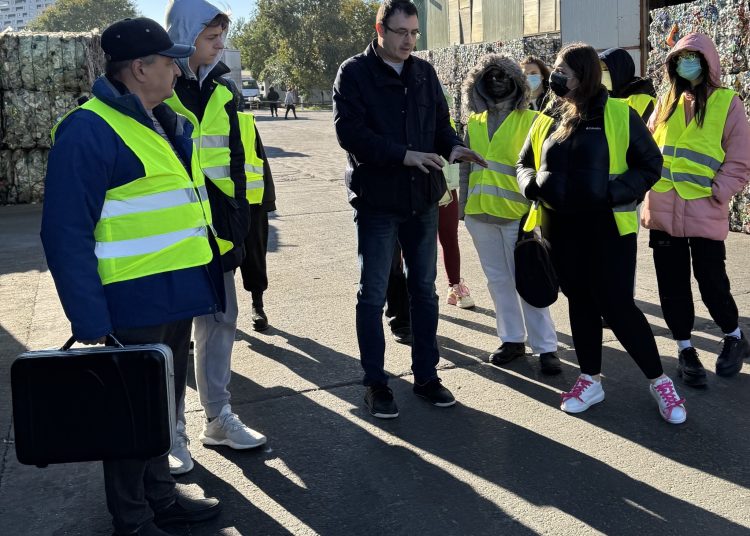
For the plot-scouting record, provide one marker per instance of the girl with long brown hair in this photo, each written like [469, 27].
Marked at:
[702, 130]
[589, 165]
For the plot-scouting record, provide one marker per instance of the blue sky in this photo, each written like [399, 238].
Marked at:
[154, 9]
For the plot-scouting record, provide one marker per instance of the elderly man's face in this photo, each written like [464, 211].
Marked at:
[159, 77]
[497, 83]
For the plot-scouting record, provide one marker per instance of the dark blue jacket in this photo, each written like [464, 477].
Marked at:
[378, 116]
[87, 159]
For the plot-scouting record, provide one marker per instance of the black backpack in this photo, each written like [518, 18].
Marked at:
[536, 280]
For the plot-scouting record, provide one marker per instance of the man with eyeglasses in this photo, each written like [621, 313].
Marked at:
[392, 119]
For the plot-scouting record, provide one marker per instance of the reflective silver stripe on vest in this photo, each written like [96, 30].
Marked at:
[700, 180]
[254, 185]
[217, 172]
[627, 207]
[143, 246]
[148, 203]
[499, 192]
[505, 169]
[666, 173]
[667, 150]
[254, 169]
[613, 176]
[214, 142]
[699, 158]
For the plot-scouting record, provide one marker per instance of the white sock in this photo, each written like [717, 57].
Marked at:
[737, 334]
[681, 345]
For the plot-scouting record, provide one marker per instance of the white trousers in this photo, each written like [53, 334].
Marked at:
[495, 244]
[214, 339]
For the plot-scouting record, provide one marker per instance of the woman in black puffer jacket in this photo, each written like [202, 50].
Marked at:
[595, 161]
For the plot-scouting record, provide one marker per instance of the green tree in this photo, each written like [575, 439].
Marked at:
[302, 42]
[82, 15]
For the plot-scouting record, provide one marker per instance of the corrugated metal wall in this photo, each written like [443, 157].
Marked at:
[502, 20]
[449, 22]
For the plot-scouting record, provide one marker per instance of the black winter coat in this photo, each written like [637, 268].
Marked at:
[231, 217]
[574, 175]
[378, 116]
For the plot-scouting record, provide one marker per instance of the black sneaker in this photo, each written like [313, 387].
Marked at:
[186, 510]
[507, 352]
[402, 335]
[730, 359]
[379, 400]
[690, 369]
[260, 320]
[550, 363]
[434, 392]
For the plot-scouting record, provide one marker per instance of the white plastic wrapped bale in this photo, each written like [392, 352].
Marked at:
[22, 175]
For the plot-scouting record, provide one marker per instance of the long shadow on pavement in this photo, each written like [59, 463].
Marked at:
[708, 441]
[364, 482]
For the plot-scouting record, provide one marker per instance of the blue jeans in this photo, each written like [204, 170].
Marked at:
[377, 233]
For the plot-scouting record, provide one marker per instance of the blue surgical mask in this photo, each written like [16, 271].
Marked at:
[689, 68]
[534, 80]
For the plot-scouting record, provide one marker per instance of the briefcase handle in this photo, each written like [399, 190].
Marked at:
[111, 338]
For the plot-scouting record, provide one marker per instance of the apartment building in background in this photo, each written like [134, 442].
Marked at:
[17, 14]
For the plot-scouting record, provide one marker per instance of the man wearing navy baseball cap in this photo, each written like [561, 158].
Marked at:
[126, 229]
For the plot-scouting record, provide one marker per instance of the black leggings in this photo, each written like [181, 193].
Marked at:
[672, 257]
[596, 267]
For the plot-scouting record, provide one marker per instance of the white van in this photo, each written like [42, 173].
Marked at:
[250, 91]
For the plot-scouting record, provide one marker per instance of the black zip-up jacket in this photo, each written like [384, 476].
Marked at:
[574, 175]
[378, 116]
[231, 217]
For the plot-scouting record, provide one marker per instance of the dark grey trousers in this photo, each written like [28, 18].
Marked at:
[137, 488]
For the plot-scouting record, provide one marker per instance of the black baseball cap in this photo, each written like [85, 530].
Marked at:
[129, 39]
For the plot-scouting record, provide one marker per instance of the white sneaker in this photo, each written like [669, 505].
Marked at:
[180, 461]
[671, 406]
[227, 429]
[459, 295]
[585, 393]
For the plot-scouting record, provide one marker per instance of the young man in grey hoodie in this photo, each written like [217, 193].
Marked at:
[210, 102]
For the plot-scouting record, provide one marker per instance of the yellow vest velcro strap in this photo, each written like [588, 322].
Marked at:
[217, 172]
[627, 207]
[254, 169]
[698, 158]
[496, 166]
[213, 142]
[700, 180]
[498, 192]
[147, 203]
[142, 246]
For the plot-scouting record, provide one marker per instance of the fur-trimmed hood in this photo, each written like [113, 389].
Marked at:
[476, 99]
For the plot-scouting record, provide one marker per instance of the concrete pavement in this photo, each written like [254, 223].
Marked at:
[505, 460]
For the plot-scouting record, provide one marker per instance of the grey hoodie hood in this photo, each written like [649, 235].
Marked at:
[185, 20]
[476, 99]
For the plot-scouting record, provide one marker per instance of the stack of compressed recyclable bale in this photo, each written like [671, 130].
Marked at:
[452, 64]
[727, 23]
[41, 77]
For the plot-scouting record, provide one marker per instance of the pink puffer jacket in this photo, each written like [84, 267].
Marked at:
[707, 217]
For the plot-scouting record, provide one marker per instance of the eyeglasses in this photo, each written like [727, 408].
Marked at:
[403, 33]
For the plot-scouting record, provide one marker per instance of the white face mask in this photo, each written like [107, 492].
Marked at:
[535, 80]
[607, 80]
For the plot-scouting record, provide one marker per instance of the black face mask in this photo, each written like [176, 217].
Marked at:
[558, 83]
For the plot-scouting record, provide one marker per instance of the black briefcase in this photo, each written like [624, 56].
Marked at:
[87, 404]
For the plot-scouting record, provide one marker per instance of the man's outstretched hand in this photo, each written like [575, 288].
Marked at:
[464, 154]
[423, 161]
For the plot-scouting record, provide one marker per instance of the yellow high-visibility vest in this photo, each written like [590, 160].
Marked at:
[494, 190]
[211, 136]
[253, 163]
[693, 154]
[156, 223]
[617, 132]
[639, 102]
